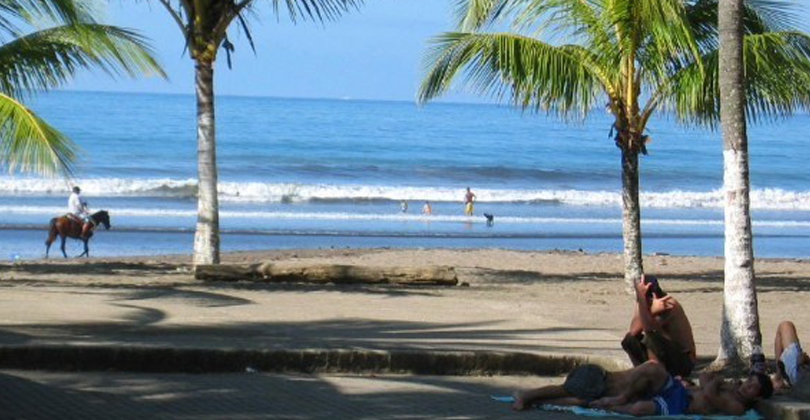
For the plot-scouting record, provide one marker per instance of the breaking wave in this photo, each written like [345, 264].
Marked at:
[770, 199]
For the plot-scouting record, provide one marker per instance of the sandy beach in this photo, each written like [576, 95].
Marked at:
[573, 288]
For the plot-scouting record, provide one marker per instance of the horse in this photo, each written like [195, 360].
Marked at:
[68, 226]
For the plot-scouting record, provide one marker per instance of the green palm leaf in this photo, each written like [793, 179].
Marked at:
[475, 14]
[29, 144]
[530, 72]
[320, 10]
[773, 88]
[48, 58]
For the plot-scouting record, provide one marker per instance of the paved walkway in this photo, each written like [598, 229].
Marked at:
[103, 396]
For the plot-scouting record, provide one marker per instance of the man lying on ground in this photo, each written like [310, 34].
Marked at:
[587, 383]
[713, 396]
[648, 389]
[790, 359]
[660, 330]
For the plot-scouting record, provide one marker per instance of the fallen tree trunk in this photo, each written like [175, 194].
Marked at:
[342, 274]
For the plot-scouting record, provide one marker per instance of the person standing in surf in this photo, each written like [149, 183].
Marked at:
[469, 198]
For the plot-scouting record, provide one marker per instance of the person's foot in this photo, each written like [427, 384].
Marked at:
[779, 384]
[518, 404]
[85, 231]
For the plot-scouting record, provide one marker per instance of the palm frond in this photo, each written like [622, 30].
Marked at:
[531, 73]
[318, 10]
[777, 75]
[760, 16]
[475, 14]
[662, 27]
[47, 58]
[36, 12]
[29, 144]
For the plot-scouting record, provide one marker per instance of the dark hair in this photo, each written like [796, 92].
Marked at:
[655, 288]
[765, 384]
[77, 189]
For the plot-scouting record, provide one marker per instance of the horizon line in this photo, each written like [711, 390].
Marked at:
[314, 98]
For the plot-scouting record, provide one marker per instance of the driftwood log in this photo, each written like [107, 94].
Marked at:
[328, 273]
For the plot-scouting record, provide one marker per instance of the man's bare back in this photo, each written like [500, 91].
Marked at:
[660, 330]
[675, 325]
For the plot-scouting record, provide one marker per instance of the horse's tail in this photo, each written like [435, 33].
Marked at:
[51, 232]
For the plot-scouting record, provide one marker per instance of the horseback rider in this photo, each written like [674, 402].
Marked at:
[77, 207]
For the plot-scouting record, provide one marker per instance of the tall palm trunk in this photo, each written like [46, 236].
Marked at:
[206, 237]
[631, 216]
[740, 326]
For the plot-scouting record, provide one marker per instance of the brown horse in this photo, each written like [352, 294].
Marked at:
[68, 226]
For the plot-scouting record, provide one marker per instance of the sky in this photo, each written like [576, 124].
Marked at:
[375, 52]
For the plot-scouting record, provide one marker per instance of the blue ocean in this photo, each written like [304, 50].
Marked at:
[335, 173]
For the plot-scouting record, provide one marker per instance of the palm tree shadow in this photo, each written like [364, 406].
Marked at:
[143, 328]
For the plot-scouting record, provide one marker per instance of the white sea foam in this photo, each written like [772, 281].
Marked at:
[49, 211]
[260, 192]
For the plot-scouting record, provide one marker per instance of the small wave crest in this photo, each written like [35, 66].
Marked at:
[268, 192]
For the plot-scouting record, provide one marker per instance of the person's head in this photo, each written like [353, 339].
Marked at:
[758, 385]
[468, 189]
[77, 190]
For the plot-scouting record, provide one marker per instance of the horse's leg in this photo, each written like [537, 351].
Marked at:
[64, 238]
[48, 243]
[86, 252]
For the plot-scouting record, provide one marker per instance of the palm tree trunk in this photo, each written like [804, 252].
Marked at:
[740, 326]
[206, 237]
[631, 217]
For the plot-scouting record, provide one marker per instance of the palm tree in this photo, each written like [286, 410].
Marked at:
[638, 56]
[46, 58]
[740, 325]
[204, 25]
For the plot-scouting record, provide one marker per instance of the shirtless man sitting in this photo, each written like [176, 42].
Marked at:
[629, 392]
[660, 330]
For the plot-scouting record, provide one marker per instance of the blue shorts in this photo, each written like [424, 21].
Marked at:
[672, 400]
[790, 360]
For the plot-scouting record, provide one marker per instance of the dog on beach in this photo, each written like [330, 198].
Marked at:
[490, 219]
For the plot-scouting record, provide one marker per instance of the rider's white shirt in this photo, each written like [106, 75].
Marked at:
[76, 204]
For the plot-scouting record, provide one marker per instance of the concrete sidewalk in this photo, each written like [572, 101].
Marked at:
[123, 396]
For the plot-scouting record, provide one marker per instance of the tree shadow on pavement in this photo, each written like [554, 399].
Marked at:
[143, 328]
